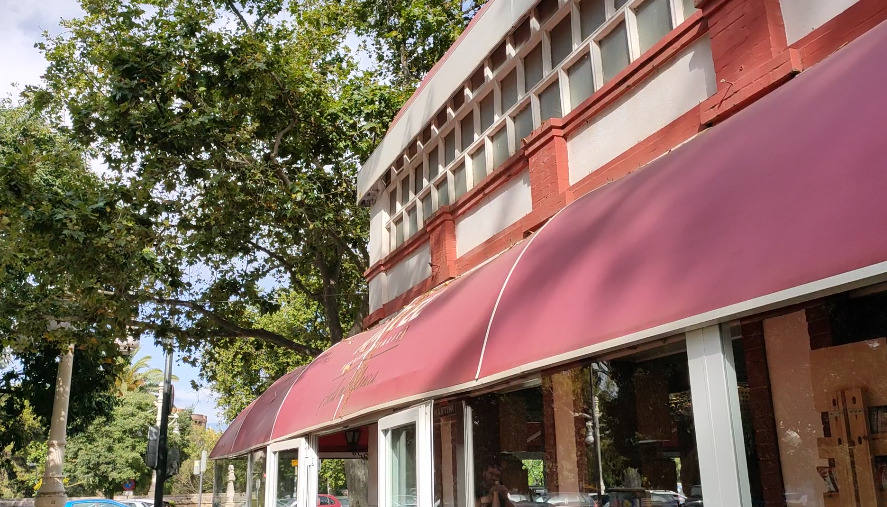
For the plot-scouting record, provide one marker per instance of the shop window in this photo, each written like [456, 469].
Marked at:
[282, 472]
[550, 102]
[509, 90]
[467, 127]
[561, 37]
[486, 112]
[580, 81]
[449, 454]
[654, 22]
[443, 193]
[433, 163]
[533, 68]
[479, 165]
[523, 124]
[256, 486]
[449, 147]
[614, 52]
[404, 458]
[460, 180]
[287, 477]
[427, 207]
[413, 217]
[623, 424]
[231, 472]
[592, 14]
[499, 142]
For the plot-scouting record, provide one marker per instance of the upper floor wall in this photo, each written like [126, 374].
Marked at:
[574, 94]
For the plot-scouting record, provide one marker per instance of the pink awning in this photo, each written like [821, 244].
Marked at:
[790, 191]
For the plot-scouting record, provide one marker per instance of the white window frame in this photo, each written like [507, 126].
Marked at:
[420, 416]
[306, 482]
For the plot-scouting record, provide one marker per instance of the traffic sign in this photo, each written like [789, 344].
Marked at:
[129, 485]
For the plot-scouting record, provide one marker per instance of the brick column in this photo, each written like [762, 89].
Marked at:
[546, 152]
[442, 243]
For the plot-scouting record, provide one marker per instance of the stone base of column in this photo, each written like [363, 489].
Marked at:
[50, 499]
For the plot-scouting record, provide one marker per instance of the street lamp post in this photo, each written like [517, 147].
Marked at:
[164, 426]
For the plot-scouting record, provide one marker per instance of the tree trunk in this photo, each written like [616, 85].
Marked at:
[356, 477]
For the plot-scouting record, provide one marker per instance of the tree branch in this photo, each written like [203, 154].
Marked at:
[236, 11]
[277, 169]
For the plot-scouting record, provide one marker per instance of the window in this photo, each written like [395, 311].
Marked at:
[522, 33]
[580, 81]
[689, 8]
[467, 127]
[614, 52]
[405, 191]
[654, 22]
[392, 201]
[405, 458]
[443, 193]
[477, 79]
[417, 180]
[500, 146]
[561, 37]
[460, 180]
[550, 102]
[427, 207]
[398, 232]
[592, 15]
[523, 124]
[286, 471]
[486, 112]
[413, 217]
[509, 90]
[449, 147]
[479, 165]
[433, 163]
[225, 469]
[533, 68]
[545, 9]
[256, 488]
[619, 3]
[497, 57]
[449, 454]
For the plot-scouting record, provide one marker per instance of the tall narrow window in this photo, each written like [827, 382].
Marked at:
[550, 102]
[500, 147]
[449, 147]
[413, 217]
[479, 165]
[392, 201]
[523, 124]
[427, 207]
[398, 232]
[533, 68]
[486, 112]
[509, 90]
[257, 479]
[460, 180]
[467, 126]
[443, 193]
[614, 52]
[405, 191]
[654, 22]
[405, 458]
[417, 180]
[580, 81]
[592, 15]
[433, 163]
[561, 41]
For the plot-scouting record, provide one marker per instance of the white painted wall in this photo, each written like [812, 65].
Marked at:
[379, 238]
[803, 16]
[409, 272]
[675, 89]
[378, 289]
[499, 210]
[498, 18]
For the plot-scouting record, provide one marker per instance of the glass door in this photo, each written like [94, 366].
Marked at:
[287, 471]
[405, 458]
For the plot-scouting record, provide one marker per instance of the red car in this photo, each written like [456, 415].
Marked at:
[328, 501]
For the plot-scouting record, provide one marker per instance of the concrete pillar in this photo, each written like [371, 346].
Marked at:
[52, 491]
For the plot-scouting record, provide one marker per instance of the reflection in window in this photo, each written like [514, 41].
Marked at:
[533, 68]
[449, 455]
[509, 90]
[523, 124]
[550, 102]
[460, 180]
[561, 41]
[402, 472]
[654, 22]
[479, 165]
[580, 81]
[229, 471]
[614, 52]
[257, 479]
[592, 14]
[486, 112]
[287, 477]
[467, 127]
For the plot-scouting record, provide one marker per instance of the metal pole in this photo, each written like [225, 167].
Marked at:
[200, 489]
[164, 426]
[597, 428]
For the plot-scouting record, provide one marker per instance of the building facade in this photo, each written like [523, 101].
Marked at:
[623, 252]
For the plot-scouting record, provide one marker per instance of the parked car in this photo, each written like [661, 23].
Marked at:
[324, 500]
[138, 502]
[94, 502]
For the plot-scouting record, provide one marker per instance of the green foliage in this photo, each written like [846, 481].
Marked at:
[185, 482]
[535, 471]
[331, 477]
[21, 460]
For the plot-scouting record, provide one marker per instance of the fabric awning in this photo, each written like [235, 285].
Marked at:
[786, 198]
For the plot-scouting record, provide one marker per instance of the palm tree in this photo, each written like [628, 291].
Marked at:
[136, 375]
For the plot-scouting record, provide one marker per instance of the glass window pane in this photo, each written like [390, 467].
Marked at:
[404, 191]
[654, 22]
[392, 201]
[479, 165]
[591, 16]
[509, 90]
[402, 466]
[477, 79]
[533, 68]
[522, 33]
[561, 41]
[614, 52]
[433, 163]
[550, 102]
[500, 147]
[497, 57]
[427, 207]
[467, 124]
[579, 79]
[450, 147]
[222, 470]
[413, 217]
[523, 124]
[620, 3]
[398, 232]
[546, 8]
[287, 476]
[443, 193]
[689, 8]
[486, 112]
[449, 454]
[417, 180]
[257, 478]
[460, 179]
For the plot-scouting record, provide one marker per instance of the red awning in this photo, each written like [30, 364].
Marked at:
[767, 206]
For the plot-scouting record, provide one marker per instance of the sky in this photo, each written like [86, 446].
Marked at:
[21, 25]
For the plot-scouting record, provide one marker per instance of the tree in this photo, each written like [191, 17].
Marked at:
[185, 482]
[135, 374]
[239, 134]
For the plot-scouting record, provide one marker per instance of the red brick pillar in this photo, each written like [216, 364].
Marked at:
[546, 152]
[442, 243]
